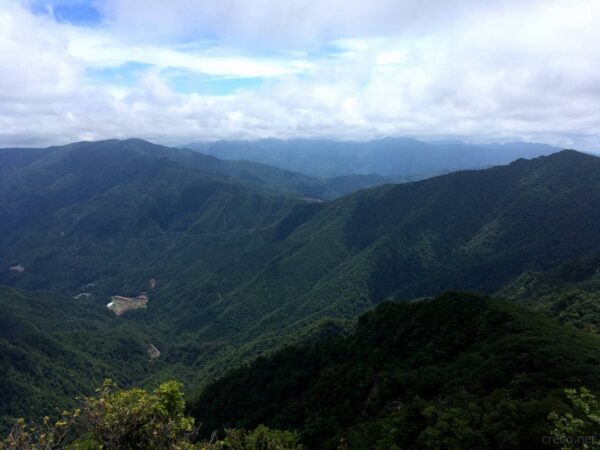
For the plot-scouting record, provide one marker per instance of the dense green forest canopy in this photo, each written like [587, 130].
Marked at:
[135, 418]
[458, 371]
[54, 348]
[239, 259]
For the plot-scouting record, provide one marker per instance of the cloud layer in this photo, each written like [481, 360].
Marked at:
[184, 70]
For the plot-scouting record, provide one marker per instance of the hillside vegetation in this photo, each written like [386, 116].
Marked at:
[461, 371]
[234, 268]
[475, 230]
[54, 348]
[458, 371]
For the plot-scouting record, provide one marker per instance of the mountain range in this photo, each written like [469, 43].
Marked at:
[239, 259]
[396, 157]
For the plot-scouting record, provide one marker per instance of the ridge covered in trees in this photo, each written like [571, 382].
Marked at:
[458, 371]
[238, 261]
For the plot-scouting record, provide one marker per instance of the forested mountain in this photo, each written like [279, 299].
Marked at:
[92, 210]
[403, 157]
[346, 233]
[239, 259]
[476, 230]
[459, 371]
[54, 348]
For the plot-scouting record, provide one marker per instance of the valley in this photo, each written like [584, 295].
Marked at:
[249, 269]
[299, 225]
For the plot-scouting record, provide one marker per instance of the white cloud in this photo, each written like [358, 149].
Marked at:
[33, 62]
[273, 24]
[464, 70]
[99, 49]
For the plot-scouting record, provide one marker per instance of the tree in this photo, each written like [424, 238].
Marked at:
[581, 429]
[261, 438]
[136, 419]
[46, 436]
[113, 419]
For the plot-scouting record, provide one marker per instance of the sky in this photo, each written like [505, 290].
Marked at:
[179, 71]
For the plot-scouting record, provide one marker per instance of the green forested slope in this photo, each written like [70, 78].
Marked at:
[570, 293]
[243, 267]
[54, 348]
[97, 211]
[476, 230]
[459, 371]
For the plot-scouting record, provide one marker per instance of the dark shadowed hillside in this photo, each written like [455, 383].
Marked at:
[476, 230]
[54, 348]
[350, 237]
[97, 210]
[460, 371]
[234, 268]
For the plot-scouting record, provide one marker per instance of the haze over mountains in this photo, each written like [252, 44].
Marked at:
[402, 157]
[244, 261]
[299, 225]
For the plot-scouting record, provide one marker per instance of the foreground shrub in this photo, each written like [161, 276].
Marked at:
[136, 419]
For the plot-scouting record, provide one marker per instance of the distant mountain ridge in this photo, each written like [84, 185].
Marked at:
[404, 157]
[11, 160]
[244, 263]
[474, 230]
[263, 260]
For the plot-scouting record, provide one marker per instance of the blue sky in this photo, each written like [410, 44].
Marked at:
[91, 15]
[187, 70]
[77, 12]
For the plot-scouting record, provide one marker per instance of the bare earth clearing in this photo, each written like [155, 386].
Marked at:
[119, 304]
